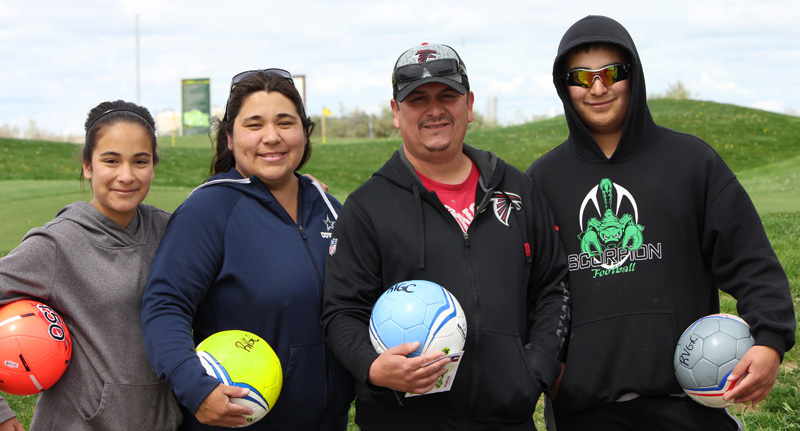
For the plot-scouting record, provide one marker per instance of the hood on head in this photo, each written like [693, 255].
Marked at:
[638, 122]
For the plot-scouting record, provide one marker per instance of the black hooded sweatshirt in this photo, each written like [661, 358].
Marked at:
[507, 272]
[651, 234]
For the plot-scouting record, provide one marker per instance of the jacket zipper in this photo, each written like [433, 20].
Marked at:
[475, 295]
[475, 298]
[320, 285]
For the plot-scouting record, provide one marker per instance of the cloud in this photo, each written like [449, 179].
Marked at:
[768, 105]
[739, 16]
[64, 58]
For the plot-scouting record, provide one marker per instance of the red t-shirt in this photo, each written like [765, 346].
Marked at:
[459, 199]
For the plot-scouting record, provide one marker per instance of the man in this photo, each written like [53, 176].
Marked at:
[654, 223]
[446, 212]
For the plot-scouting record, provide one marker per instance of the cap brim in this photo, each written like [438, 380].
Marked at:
[411, 86]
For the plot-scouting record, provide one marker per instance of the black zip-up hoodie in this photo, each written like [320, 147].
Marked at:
[507, 272]
[651, 234]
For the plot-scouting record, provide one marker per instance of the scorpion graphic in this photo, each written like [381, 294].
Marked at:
[611, 231]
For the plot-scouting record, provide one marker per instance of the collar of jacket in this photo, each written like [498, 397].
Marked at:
[399, 170]
[487, 162]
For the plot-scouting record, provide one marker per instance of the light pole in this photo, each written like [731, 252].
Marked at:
[138, 92]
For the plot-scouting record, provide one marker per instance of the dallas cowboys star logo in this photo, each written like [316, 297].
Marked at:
[328, 223]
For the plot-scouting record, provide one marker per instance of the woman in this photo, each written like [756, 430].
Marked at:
[90, 263]
[246, 250]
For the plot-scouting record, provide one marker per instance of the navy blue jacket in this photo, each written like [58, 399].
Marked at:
[232, 258]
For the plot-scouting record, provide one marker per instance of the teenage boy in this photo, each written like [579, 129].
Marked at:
[654, 224]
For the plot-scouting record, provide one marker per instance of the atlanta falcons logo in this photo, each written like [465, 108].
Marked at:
[424, 55]
[504, 202]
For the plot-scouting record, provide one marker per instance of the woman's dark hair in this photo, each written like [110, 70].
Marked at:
[223, 159]
[110, 113]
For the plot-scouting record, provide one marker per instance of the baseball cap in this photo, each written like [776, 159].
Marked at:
[428, 63]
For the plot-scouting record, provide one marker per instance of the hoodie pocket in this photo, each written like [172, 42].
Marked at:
[506, 386]
[616, 355]
[149, 406]
[304, 385]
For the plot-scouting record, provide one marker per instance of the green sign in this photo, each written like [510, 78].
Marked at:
[196, 105]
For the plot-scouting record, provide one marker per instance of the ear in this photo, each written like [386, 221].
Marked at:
[230, 141]
[470, 101]
[87, 171]
[395, 110]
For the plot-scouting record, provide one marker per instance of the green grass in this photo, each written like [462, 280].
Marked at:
[38, 160]
[745, 138]
[38, 178]
[781, 409]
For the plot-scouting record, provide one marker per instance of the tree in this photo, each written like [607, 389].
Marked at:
[675, 91]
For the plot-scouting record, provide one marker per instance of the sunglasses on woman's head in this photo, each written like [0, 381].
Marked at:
[244, 75]
[269, 72]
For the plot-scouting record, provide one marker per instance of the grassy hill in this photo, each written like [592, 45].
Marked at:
[763, 148]
[38, 178]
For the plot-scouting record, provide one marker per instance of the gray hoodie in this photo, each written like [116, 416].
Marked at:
[93, 272]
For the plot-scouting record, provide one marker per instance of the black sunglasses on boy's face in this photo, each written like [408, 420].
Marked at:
[611, 74]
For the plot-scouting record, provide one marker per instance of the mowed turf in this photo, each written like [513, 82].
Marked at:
[38, 178]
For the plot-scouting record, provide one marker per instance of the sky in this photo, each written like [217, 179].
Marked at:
[61, 58]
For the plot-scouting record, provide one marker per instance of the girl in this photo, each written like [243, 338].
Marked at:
[90, 264]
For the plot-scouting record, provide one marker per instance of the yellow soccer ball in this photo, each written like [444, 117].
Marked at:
[241, 358]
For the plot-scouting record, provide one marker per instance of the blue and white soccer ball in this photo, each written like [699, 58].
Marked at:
[706, 354]
[418, 310]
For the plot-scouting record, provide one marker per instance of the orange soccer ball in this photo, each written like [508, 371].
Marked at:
[35, 347]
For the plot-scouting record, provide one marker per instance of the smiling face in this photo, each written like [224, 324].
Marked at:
[268, 139]
[601, 108]
[121, 170]
[433, 120]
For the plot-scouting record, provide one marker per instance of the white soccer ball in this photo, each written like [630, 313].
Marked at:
[706, 354]
[418, 310]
